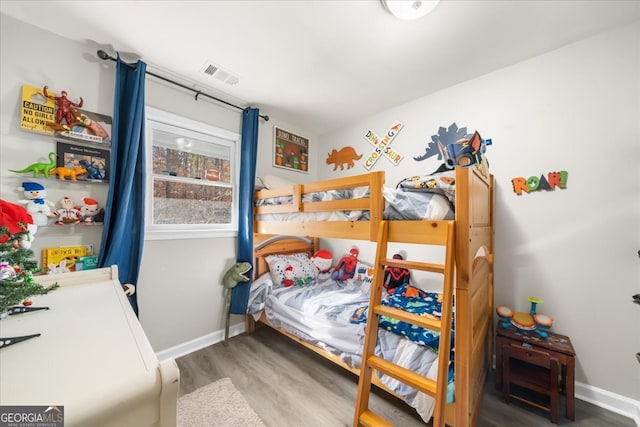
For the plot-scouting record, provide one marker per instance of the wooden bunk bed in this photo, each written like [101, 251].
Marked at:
[472, 251]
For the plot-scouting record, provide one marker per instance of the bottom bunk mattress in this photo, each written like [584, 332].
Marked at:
[332, 315]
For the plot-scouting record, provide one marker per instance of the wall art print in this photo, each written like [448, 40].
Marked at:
[94, 161]
[45, 112]
[383, 146]
[290, 151]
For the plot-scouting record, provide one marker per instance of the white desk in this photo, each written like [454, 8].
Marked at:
[93, 357]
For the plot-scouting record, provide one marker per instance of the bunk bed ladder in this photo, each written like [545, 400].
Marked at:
[440, 233]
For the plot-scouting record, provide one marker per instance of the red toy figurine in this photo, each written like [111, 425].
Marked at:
[395, 276]
[346, 266]
[64, 106]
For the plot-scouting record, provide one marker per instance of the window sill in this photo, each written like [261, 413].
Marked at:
[188, 234]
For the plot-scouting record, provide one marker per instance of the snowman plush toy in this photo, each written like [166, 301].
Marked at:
[37, 206]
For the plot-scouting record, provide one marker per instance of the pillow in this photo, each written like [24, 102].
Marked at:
[363, 276]
[294, 269]
[272, 181]
[442, 183]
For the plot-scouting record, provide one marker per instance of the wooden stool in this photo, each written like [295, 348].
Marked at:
[533, 370]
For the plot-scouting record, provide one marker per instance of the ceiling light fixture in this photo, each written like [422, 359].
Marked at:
[409, 9]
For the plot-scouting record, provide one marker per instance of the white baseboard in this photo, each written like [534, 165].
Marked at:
[200, 342]
[613, 402]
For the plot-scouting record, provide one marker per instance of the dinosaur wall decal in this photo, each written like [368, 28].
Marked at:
[445, 137]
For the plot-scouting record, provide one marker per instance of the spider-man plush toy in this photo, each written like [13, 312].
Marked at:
[395, 276]
[346, 266]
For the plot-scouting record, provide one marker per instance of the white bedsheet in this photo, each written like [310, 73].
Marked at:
[320, 313]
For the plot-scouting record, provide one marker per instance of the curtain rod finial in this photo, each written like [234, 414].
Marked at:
[103, 55]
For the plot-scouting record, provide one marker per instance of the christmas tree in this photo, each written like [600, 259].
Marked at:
[17, 268]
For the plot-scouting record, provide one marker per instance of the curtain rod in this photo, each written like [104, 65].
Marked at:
[105, 56]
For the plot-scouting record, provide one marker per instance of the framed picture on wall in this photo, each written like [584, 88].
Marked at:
[290, 151]
[93, 160]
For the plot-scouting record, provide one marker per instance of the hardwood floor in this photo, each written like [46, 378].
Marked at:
[290, 386]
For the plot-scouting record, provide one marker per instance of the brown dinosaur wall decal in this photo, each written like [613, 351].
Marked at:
[346, 155]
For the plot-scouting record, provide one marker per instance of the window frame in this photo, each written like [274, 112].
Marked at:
[155, 117]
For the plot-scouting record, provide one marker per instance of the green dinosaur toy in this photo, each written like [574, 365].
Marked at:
[234, 275]
[40, 168]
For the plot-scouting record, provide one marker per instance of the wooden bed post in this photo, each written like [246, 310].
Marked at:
[474, 290]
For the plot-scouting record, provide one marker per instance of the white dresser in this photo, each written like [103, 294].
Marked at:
[93, 357]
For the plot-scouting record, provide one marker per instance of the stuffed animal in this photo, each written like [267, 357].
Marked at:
[346, 267]
[58, 269]
[237, 273]
[67, 214]
[395, 276]
[36, 204]
[288, 276]
[322, 259]
[88, 210]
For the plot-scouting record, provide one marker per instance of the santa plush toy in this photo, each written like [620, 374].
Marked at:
[322, 259]
[288, 276]
[88, 210]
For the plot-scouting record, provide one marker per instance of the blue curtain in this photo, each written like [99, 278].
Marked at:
[123, 232]
[248, 154]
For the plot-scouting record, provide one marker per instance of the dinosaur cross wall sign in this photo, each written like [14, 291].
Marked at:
[382, 146]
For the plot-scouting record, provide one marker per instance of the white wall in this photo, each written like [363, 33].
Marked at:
[574, 109]
[179, 291]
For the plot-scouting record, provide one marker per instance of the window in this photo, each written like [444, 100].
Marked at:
[192, 179]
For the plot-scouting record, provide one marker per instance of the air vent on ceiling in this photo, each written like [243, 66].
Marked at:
[217, 72]
[211, 69]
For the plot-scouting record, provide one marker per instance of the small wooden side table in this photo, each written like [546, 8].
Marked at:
[558, 346]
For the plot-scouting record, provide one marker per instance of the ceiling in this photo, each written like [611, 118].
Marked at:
[324, 63]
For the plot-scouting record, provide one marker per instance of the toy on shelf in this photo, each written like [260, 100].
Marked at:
[40, 168]
[67, 214]
[346, 266]
[531, 321]
[58, 269]
[37, 206]
[93, 171]
[88, 210]
[64, 172]
[63, 107]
